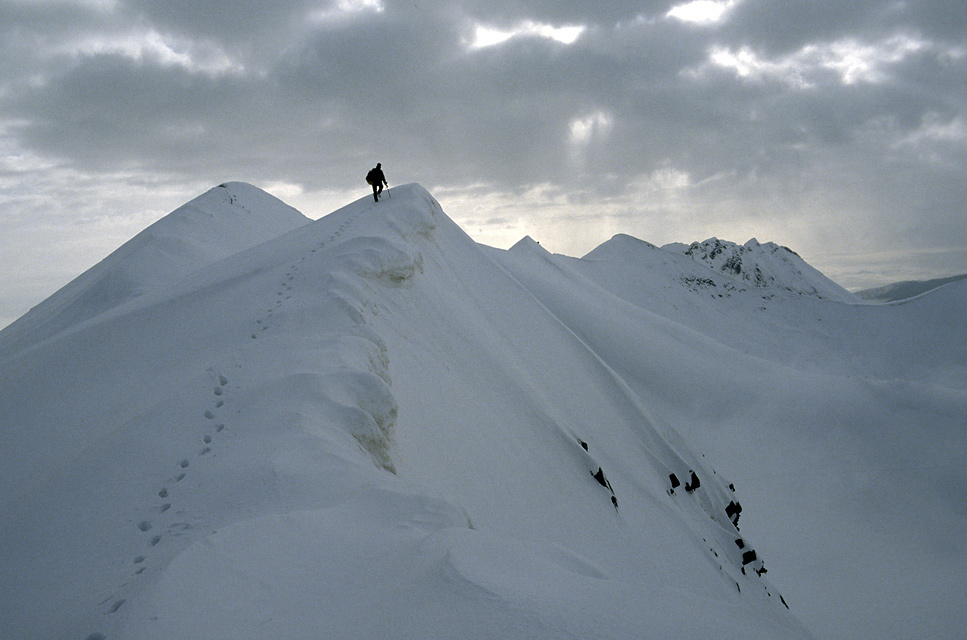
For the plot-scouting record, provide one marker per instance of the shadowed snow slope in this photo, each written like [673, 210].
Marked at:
[371, 427]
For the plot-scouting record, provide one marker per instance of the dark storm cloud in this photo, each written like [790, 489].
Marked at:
[406, 72]
[787, 26]
[111, 109]
[500, 113]
[236, 21]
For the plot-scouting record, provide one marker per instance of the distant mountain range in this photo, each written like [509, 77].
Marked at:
[905, 290]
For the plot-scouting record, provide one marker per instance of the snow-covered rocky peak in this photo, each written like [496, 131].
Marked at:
[765, 265]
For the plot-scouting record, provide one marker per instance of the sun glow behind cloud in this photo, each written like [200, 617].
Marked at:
[853, 61]
[702, 12]
[488, 36]
[584, 129]
[344, 8]
[196, 57]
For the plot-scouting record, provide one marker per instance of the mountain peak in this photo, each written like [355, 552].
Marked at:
[218, 223]
[528, 244]
[767, 265]
[619, 245]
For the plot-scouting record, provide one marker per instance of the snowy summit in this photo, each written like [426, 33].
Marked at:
[246, 424]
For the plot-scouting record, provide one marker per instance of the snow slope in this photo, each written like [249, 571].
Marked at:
[216, 224]
[370, 426]
[844, 423]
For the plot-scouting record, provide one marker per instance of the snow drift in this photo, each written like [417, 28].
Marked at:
[370, 426]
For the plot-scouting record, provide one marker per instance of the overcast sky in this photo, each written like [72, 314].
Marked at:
[838, 129]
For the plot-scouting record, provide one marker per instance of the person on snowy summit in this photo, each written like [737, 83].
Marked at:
[376, 178]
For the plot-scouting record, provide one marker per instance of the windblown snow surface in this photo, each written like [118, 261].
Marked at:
[369, 426]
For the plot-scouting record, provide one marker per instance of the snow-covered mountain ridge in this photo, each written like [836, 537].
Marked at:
[370, 426]
[216, 224]
[765, 266]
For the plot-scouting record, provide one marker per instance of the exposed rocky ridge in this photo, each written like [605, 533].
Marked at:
[765, 265]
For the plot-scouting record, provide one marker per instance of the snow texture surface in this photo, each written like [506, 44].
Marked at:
[244, 424]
